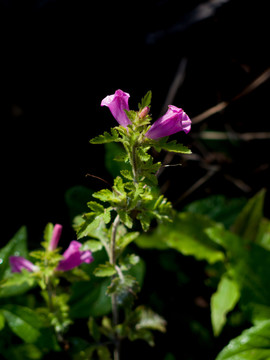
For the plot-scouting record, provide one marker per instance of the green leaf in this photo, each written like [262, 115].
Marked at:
[129, 261]
[2, 320]
[146, 100]
[183, 236]
[23, 321]
[171, 146]
[252, 344]
[88, 298]
[248, 221]
[127, 174]
[91, 225]
[16, 284]
[93, 329]
[92, 245]
[148, 319]
[145, 220]
[115, 159]
[23, 352]
[48, 234]
[125, 289]
[126, 239]
[222, 302]
[104, 270]
[125, 218]
[131, 114]
[103, 353]
[16, 246]
[96, 207]
[106, 137]
[218, 207]
[263, 235]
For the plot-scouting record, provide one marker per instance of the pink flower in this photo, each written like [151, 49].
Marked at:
[18, 263]
[173, 121]
[74, 257]
[57, 230]
[117, 103]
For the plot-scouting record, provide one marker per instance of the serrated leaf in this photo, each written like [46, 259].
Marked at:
[131, 114]
[148, 319]
[96, 207]
[172, 146]
[106, 137]
[146, 100]
[145, 221]
[124, 288]
[222, 302]
[91, 225]
[105, 270]
[125, 218]
[127, 174]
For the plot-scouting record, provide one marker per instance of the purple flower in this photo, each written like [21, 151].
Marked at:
[57, 230]
[173, 121]
[17, 263]
[117, 103]
[74, 257]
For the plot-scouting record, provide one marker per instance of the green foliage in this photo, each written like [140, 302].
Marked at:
[105, 138]
[172, 146]
[16, 246]
[23, 321]
[146, 100]
[248, 222]
[183, 236]
[253, 343]
[222, 302]
[106, 226]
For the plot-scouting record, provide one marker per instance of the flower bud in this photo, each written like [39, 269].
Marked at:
[144, 112]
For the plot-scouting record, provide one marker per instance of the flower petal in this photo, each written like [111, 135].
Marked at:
[117, 103]
[18, 263]
[173, 121]
[73, 257]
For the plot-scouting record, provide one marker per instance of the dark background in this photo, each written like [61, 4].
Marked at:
[59, 59]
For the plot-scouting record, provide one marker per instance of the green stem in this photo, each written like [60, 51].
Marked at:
[115, 314]
[133, 162]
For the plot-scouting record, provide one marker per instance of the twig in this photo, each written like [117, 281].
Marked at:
[196, 185]
[176, 84]
[219, 135]
[222, 105]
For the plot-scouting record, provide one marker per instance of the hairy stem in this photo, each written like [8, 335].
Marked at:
[133, 162]
[115, 316]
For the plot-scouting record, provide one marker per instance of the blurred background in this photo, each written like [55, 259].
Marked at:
[59, 59]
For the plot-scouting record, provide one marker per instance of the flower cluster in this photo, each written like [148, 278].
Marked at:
[72, 256]
[173, 121]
